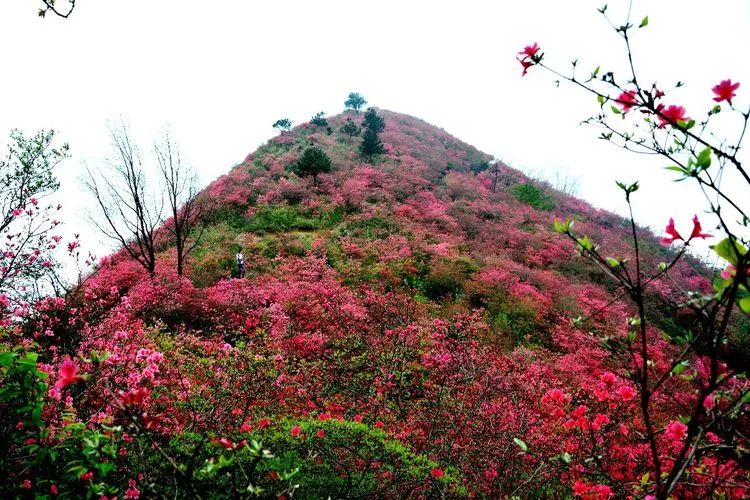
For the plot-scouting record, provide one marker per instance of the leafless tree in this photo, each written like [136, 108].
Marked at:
[130, 212]
[565, 183]
[181, 188]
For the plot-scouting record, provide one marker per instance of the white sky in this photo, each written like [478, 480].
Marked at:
[220, 72]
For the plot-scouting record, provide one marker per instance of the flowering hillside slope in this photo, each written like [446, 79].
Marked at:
[406, 327]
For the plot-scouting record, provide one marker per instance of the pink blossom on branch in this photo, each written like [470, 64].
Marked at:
[724, 91]
[671, 114]
[531, 56]
[627, 100]
[673, 235]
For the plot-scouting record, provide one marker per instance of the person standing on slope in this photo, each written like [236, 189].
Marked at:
[240, 263]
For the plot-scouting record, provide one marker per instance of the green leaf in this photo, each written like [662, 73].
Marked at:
[613, 263]
[601, 99]
[644, 479]
[680, 367]
[562, 227]
[676, 168]
[728, 251]
[524, 447]
[585, 243]
[744, 304]
[616, 110]
[6, 358]
[644, 22]
[704, 158]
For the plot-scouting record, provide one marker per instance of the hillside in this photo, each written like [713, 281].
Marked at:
[401, 330]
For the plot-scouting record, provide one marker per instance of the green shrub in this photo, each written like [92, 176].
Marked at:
[533, 195]
[446, 278]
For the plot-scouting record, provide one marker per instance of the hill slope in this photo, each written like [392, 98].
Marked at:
[402, 329]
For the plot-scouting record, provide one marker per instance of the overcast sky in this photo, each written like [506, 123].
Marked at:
[220, 72]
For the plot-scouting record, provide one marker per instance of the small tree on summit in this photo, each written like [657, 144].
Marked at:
[319, 120]
[314, 161]
[371, 143]
[283, 125]
[355, 101]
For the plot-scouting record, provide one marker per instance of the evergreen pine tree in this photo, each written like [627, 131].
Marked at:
[314, 161]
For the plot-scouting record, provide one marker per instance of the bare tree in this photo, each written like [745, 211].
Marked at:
[130, 212]
[565, 183]
[181, 188]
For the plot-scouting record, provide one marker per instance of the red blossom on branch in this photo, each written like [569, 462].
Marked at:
[673, 235]
[68, 374]
[725, 91]
[671, 114]
[698, 230]
[530, 56]
[627, 100]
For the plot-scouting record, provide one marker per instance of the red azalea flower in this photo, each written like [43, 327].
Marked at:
[321, 433]
[627, 100]
[671, 114]
[87, 476]
[68, 374]
[296, 431]
[264, 422]
[357, 418]
[134, 397]
[437, 473]
[530, 57]
[673, 235]
[675, 431]
[529, 50]
[697, 230]
[725, 91]
[226, 443]
[526, 63]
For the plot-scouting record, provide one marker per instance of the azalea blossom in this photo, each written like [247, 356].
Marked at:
[68, 374]
[675, 431]
[725, 91]
[671, 114]
[437, 473]
[226, 443]
[673, 235]
[627, 100]
[698, 230]
[264, 422]
[530, 57]
[530, 50]
[296, 430]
